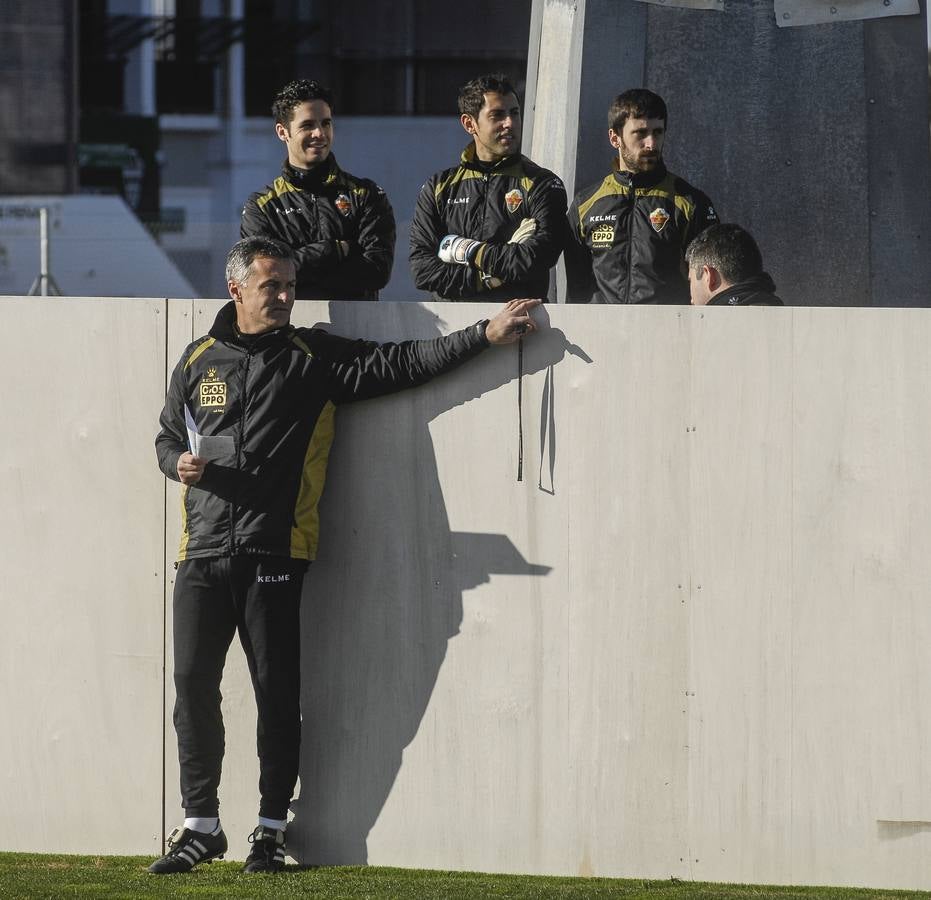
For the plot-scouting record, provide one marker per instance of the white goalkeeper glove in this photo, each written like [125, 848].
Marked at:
[523, 231]
[457, 249]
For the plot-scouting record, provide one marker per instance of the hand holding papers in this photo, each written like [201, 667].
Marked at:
[206, 446]
[203, 449]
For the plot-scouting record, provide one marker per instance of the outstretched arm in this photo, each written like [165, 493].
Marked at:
[363, 369]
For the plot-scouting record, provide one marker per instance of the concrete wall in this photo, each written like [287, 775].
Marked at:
[692, 642]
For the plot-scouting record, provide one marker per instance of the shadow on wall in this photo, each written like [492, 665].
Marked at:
[374, 637]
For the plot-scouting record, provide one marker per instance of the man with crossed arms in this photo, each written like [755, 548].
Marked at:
[492, 227]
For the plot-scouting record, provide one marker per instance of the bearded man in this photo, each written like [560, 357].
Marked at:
[628, 232]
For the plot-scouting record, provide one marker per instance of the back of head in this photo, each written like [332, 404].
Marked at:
[637, 103]
[294, 94]
[472, 94]
[243, 253]
[729, 249]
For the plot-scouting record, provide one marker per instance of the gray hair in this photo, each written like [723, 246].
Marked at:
[243, 254]
[728, 248]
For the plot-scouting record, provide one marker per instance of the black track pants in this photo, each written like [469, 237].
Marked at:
[259, 596]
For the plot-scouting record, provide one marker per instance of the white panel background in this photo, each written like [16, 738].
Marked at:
[691, 642]
[81, 590]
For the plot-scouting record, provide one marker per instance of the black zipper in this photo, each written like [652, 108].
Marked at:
[481, 230]
[630, 238]
[242, 440]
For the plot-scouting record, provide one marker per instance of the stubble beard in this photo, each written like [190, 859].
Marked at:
[636, 164]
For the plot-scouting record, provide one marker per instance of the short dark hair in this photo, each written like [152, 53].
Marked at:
[294, 94]
[243, 253]
[728, 248]
[472, 95]
[637, 103]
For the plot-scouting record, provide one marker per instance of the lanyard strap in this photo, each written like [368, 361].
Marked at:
[520, 418]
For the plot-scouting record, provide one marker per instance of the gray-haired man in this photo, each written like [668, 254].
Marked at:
[247, 428]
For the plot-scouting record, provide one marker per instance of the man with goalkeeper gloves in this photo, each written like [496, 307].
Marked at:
[491, 228]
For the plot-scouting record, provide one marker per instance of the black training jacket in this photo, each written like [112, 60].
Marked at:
[487, 204]
[267, 405]
[311, 211]
[759, 290]
[628, 235]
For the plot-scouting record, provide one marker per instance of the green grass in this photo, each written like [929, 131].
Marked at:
[32, 875]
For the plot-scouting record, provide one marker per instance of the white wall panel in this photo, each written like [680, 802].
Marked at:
[860, 498]
[690, 642]
[739, 518]
[81, 592]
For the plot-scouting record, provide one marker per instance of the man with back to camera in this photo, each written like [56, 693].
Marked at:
[628, 233]
[256, 399]
[726, 269]
[492, 227]
[340, 227]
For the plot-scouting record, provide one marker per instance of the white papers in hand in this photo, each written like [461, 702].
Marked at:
[215, 447]
[193, 435]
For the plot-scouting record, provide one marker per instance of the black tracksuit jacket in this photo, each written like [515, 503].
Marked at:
[311, 211]
[269, 403]
[628, 235]
[487, 203]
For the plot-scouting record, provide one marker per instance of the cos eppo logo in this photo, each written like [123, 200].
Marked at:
[603, 235]
[213, 391]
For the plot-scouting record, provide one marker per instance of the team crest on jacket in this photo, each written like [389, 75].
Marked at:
[342, 204]
[658, 219]
[513, 200]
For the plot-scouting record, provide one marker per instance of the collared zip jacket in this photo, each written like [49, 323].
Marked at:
[312, 211]
[488, 204]
[628, 235]
[758, 290]
[264, 409]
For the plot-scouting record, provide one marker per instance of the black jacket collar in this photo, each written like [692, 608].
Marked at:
[640, 179]
[311, 179]
[759, 290]
[508, 165]
[224, 329]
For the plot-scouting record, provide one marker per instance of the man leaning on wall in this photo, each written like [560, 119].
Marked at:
[726, 269]
[628, 232]
[492, 227]
[247, 428]
[340, 227]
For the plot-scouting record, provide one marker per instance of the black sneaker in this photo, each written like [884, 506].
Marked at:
[187, 848]
[267, 853]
